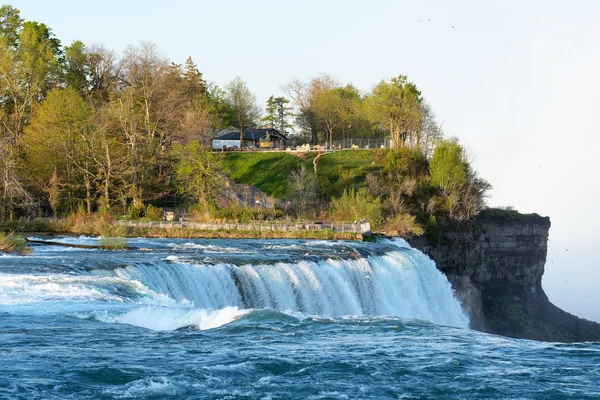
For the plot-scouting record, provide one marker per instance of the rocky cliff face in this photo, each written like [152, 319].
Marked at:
[495, 265]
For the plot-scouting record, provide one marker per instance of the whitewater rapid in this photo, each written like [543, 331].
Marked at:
[180, 285]
[259, 319]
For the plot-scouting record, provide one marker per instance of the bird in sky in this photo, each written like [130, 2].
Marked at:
[453, 27]
[428, 20]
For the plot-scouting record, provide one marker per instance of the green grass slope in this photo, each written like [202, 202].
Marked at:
[345, 169]
[270, 171]
[267, 171]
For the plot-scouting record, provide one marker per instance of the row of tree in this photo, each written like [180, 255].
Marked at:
[396, 109]
[80, 124]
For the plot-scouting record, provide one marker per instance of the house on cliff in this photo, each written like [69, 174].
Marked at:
[254, 138]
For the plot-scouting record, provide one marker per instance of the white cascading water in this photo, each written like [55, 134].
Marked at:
[403, 283]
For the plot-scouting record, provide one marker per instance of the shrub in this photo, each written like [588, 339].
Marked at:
[434, 231]
[104, 209]
[245, 215]
[154, 213]
[84, 223]
[405, 161]
[356, 205]
[112, 243]
[447, 168]
[136, 212]
[403, 225]
[12, 243]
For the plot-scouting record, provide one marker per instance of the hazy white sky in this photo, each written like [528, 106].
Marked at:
[516, 81]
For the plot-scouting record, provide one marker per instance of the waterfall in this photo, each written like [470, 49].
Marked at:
[403, 283]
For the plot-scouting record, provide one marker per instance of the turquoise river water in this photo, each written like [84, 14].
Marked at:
[260, 319]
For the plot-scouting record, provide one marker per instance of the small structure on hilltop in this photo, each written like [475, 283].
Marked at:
[254, 138]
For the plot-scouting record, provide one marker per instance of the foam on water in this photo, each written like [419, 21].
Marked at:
[170, 319]
[209, 248]
[44, 289]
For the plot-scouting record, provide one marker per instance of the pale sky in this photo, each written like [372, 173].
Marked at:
[516, 81]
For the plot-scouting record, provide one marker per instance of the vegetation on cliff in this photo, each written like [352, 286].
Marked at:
[88, 132]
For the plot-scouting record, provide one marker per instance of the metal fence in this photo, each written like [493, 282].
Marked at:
[359, 227]
[359, 144]
[356, 144]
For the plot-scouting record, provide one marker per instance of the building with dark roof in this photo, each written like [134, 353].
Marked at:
[265, 138]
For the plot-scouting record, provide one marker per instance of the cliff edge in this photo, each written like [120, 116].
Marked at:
[495, 265]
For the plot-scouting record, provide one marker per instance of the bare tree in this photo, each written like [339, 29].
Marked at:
[304, 190]
[431, 131]
[244, 105]
[104, 73]
[13, 192]
[306, 98]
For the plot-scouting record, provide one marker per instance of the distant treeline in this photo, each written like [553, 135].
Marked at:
[84, 129]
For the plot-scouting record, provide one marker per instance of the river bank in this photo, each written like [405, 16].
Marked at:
[132, 229]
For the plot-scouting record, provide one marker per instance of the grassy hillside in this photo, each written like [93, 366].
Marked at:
[345, 170]
[267, 171]
[270, 171]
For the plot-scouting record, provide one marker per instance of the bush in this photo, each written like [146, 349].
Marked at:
[356, 205]
[245, 215]
[403, 225]
[154, 213]
[112, 243]
[434, 231]
[447, 168]
[84, 223]
[136, 212]
[12, 243]
[405, 161]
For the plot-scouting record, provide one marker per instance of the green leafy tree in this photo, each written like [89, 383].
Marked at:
[327, 105]
[59, 142]
[447, 167]
[29, 59]
[220, 111]
[395, 106]
[198, 173]
[283, 114]
[348, 108]
[195, 85]
[76, 68]
[464, 191]
[270, 112]
[278, 113]
[10, 24]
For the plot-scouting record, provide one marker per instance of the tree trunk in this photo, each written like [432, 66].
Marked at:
[314, 133]
[137, 192]
[88, 193]
[108, 176]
